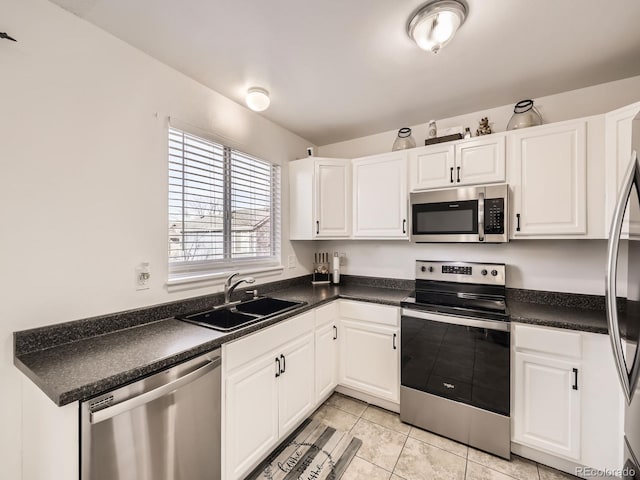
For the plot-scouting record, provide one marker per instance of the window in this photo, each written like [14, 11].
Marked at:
[224, 206]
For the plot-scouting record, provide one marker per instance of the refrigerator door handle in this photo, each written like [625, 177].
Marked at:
[633, 174]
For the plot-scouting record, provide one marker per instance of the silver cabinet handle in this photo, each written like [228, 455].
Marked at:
[118, 408]
[633, 173]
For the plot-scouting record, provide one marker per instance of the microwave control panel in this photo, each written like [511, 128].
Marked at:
[494, 215]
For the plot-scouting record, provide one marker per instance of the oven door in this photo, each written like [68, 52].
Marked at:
[462, 359]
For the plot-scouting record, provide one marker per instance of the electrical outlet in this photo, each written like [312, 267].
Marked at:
[143, 276]
[292, 261]
[343, 259]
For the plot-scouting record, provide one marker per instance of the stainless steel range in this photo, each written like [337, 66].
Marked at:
[455, 374]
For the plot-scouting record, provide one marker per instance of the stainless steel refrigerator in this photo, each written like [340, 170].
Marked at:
[623, 302]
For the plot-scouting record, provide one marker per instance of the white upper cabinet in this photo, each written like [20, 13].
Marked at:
[481, 160]
[320, 198]
[618, 144]
[466, 162]
[432, 166]
[548, 176]
[380, 196]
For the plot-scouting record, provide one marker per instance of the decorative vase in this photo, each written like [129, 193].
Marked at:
[524, 115]
[404, 140]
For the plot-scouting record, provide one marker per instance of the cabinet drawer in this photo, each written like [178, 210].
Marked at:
[548, 340]
[370, 312]
[261, 342]
[326, 314]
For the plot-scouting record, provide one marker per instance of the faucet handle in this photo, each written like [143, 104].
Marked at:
[252, 292]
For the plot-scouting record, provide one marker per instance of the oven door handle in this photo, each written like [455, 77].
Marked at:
[479, 296]
[481, 216]
[455, 320]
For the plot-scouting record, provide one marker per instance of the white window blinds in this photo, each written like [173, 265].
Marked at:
[224, 206]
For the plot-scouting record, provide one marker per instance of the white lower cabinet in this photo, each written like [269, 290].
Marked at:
[326, 365]
[269, 388]
[547, 408]
[296, 389]
[369, 349]
[251, 414]
[566, 401]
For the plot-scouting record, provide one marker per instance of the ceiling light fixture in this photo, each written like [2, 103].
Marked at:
[435, 23]
[258, 99]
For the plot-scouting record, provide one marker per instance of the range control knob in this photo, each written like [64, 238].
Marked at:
[484, 271]
[430, 269]
[494, 273]
[423, 269]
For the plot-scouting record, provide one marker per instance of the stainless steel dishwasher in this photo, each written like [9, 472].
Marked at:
[163, 427]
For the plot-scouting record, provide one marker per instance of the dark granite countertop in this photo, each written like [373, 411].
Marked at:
[572, 318]
[98, 362]
[560, 310]
[78, 360]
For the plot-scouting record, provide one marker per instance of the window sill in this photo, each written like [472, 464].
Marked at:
[201, 280]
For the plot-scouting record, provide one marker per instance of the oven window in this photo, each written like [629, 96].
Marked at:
[446, 218]
[465, 364]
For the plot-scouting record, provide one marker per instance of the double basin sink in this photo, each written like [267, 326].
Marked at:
[226, 318]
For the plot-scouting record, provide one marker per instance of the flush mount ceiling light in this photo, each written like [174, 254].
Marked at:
[435, 23]
[258, 99]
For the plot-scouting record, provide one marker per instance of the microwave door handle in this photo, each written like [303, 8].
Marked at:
[633, 173]
[481, 216]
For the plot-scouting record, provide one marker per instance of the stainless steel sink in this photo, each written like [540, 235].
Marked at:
[232, 317]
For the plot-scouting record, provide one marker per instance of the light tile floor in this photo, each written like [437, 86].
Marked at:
[392, 450]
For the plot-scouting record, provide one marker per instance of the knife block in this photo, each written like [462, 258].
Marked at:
[320, 278]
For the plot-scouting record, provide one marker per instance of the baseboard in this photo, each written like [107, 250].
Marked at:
[365, 397]
[552, 461]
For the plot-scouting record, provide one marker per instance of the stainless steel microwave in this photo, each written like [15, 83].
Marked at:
[475, 214]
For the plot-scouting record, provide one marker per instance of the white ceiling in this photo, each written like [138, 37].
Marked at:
[340, 69]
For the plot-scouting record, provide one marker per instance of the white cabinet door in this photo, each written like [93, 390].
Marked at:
[369, 359]
[251, 415]
[549, 167]
[432, 167]
[618, 145]
[380, 196]
[547, 407]
[296, 386]
[326, 360]
[332, 198]
[481, 160]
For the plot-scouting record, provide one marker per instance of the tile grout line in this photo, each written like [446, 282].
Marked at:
[498, 471]
[406, 438]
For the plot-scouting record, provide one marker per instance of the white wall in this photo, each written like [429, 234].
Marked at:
[83, 166]
[559, 265]
[554, 108]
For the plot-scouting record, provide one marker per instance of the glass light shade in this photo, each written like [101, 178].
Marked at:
[258, 99]
[435, 24]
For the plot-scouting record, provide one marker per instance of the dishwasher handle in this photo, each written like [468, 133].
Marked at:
[118, 408]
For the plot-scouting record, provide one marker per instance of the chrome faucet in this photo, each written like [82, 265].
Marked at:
[229, 287]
